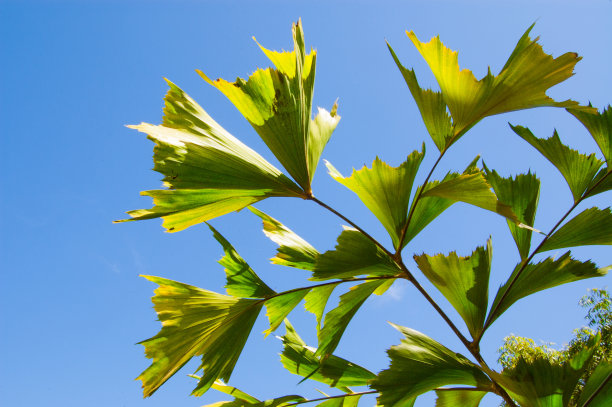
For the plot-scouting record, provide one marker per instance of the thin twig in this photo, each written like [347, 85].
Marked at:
[333, 397]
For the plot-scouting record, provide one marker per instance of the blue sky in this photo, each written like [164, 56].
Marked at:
[73, 73]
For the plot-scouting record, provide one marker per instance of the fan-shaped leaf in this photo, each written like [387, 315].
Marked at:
[464, 282]
[521, 84]
[241, 279]
[316, 300]
[431, 105]
[597, 391]
[209, 172]
[591, 227]
[601, 183]
[577, 169]
[459, 398]
[280, 306]
[293, 251]
[354, 255]
[600, 127]
[420, 364]
[532, 278]
[521, 193]
[300, 359]
[385, 190]
[277, 103]
[196, 322]
[338, 319]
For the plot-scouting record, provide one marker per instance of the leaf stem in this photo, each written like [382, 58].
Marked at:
[333, 397]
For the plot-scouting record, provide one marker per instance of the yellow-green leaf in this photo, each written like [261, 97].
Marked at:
[600, 127]
[196, 322]
[577, 169]
[459, 398]
[316, 300]
[590, 227]
[464, 282]
[280, 306]
[597, 391]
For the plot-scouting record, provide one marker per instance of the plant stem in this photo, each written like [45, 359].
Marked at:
[333, 397]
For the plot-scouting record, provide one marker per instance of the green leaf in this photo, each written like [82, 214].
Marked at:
[601, 183]
[592, 226]
[354, 255]
[280, 306]
[349, 401]
[542, 383]
[338, 319]
[597, 391]
[278, 102]
[233, 391]
[464, 282]
[577, 169]
[540, 276]
[316, 300]
[521, 194]
[196, 322]
[293, 251]
[276, 402]
[600, 127]
[420, 364]
[241, 279]
[430, 207]
[300, 359]
[459, 398]
[521, 84]
[431, 105]
[208, 171]
[385, 190]
[474, 190]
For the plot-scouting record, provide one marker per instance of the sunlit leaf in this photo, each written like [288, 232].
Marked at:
[280, 306]
[577, 169]
[431, 105]
[521, 84]
[277, 103]
[600, 127]
[521, 194]
[316, 300]
[591, 227]
[464, 282]
[293, 251]
[542, 383]
[420, 364]
[208, 171]
[338, 319]
[233, 391]
[276, 402]
[541, 276]
[349, 401]
[354, 255]
[196, 322]
[241, 279]
[459, 398]
[597, 391]
[385, 190]
[300, 359]
[601, 183]
[474, 190]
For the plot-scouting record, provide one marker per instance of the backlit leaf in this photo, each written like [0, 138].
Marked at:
[577, 169]
[277, 103]
[349, 401]
[293, 251]
[540, 276]
[385, 190]
[338, 319]
[591, 227]
[464, 282]
[276, 402]
[420, 364]
[280, 306]
[601, 183]
[208, 171]
[196, 322]
[300, 359]
[241, 279]
[600, 127]
[233, 391]
[354, 255]
[521, 194]
[597, 391]
[316, 300]
[521, 84]
[459, 398]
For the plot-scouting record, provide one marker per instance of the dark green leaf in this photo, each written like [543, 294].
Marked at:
[293, 251]
[600, 127]
[591, 227]
[521, 193]
[597, 391]
[420, 364]
[464, 282]
[354, 255]
[459, 398]
[385, 190]
[241, 279]
[338, 319]
[196, 322]
[601, 183]
[577, 169]
[540, 276]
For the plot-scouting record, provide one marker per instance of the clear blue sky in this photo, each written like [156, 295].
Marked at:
[74, 72]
